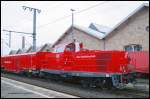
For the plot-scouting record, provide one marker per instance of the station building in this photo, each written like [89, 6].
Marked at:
[130, 34]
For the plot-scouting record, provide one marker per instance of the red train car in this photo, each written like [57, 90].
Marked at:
[19, 62]
[22, 62]
[84, 61]
[73, 61]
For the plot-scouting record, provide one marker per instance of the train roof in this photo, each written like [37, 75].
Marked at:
[22, 54]
[19, 54]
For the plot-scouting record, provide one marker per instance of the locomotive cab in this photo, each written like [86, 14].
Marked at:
[71, 47]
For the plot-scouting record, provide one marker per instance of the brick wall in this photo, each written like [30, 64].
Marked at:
[131, 32]
[88, 41]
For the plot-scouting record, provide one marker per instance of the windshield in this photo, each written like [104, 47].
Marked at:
[70, 47]
[60, 49]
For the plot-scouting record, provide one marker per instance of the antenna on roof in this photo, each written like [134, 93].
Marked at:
[72, 24]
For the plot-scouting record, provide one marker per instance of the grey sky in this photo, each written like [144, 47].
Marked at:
[13, 17]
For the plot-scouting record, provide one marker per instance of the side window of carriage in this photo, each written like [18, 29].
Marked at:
[133, 47]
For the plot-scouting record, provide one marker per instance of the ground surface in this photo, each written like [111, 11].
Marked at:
[15, 89]
[140, 91]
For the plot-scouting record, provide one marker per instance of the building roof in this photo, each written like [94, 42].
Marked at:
[99, 28]
[127, 17]
[43, 47]
[40, 48]
[12, 52]
[89, 31]
[100, 31]
[19, 51]
[24, 50]
[29, 49]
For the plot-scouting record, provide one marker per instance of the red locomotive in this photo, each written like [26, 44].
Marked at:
[91, 67]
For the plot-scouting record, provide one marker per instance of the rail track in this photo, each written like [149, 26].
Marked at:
[77, 89]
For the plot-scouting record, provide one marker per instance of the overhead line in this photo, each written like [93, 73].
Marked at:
[92, 7]
[17, 32]
[70, 15]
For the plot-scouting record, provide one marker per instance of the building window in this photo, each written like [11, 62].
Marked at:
[137, 48]
[128, 48]
[133, 47]
[147, 28]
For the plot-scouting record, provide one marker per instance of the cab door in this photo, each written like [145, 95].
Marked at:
[68, 57]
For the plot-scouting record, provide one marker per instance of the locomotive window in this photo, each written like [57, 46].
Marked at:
[70, 47]
[60, 49]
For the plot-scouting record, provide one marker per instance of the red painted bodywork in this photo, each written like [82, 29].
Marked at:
[82, 61]
[140, 61]
[20, 62]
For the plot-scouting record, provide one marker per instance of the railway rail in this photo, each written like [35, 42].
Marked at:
[77, 90]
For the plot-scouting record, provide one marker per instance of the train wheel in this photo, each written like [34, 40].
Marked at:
[3, 70]
[84, 83]
[92, 83]
[22, 73]
[109, 84]
[42, 75]
[29, 75]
